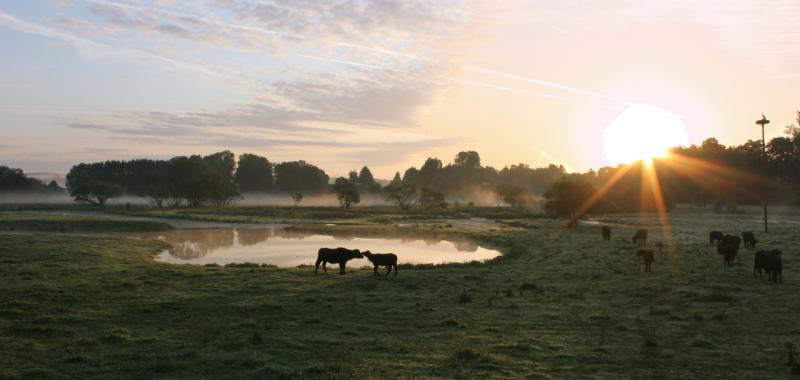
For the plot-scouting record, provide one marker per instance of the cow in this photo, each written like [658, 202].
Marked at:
[760, 263]
[774, 265]
[647, 256]
[640, 237]
[729, 247]
[388, 260]
[606, 233]
[749, 239]
[336, 256]
[715, 237]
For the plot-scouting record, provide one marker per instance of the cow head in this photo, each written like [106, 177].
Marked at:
[357, 254]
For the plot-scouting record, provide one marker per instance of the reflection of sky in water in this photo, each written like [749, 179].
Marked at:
[291, 248]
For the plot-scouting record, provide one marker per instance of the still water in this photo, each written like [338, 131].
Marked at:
[290, 248]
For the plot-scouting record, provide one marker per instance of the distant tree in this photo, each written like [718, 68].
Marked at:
[13, 179]
[253, 174]
[223, 163]
[346, 192]
[430, 200]
[402, 194]
[366, 182]
[411, 176]
[468, 159]
[514, 195]
[396, 180]
[196, 182]
[300, 177]
[95, 192]
[297, 198]
[566, 196]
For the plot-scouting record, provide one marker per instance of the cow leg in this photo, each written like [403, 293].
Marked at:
[375, 270]
[341, 268]
[395, 270]
[324, 267]
[388, 270]
[316, 266]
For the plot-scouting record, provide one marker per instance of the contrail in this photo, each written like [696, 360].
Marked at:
[351, 63]
[552, 159]
[503, 88]
[379, 50]
[546, 83]
[88, 46]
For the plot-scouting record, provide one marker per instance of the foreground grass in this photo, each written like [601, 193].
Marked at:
[559, 304]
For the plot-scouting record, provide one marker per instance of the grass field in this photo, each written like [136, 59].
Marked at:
[560, 303]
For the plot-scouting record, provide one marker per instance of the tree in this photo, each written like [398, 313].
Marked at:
[297, 198]
[300, 177]
[514, 195]
[196, 182]
[430, 200]
[253, 174]
[366, 182]
[223, 163]
[13, 179]
[468, 159]
[403, 194]
[346, 192]
[95, 192]
[566, 196]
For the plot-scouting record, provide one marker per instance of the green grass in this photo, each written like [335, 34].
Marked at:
[30, 222]
[560, 304]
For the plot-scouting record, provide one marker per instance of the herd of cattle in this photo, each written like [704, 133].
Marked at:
[766, 261]
[342, 255]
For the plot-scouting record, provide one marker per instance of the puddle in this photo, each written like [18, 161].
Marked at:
[289, 248]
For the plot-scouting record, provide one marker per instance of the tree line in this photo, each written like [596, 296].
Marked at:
[15, 180]
[709, 173]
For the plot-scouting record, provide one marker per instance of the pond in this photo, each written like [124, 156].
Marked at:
[289, 248]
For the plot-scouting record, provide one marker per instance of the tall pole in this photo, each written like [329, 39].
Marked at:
[762, 123]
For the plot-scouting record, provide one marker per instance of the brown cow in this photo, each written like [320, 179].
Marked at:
[336, 256]
[648, 257]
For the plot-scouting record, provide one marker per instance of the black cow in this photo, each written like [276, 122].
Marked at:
[774, 265]
[388, 260]
[648, 257]
[729, 247]
[749, 239]
[760, 263]
[606, 233]
[640, 237]
[715, 237]
[336, 256]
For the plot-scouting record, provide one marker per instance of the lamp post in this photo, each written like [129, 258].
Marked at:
[762, 123]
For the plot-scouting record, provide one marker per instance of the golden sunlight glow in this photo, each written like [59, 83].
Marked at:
[642, 132]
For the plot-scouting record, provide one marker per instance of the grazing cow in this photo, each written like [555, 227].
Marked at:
[647, 256]
[729, 247]
[715, 237]
[749, 239]
[606, 233]
[774, 265]
[760, 263]
[640, 237]
[388, 260]
[336, 256]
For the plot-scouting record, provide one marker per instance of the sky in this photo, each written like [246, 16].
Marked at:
[348, 83]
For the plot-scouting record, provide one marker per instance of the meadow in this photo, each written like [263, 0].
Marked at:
[560, 303]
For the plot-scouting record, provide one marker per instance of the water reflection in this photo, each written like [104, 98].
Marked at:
[289, 247]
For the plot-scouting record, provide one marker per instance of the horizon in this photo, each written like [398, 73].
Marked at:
[385, 85]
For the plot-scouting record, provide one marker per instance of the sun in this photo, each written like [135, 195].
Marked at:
[642, 132]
